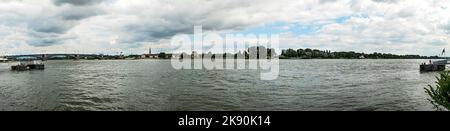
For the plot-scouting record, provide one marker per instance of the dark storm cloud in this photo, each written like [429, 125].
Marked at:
[149, 31]
[76, 16]
[144, 32]
[49, 30]
[40, 39]
[80, 13]
[76, 2]
[51, 25]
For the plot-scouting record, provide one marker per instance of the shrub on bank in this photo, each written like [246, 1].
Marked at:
[440, 95]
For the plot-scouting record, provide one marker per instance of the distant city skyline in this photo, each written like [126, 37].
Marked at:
[419, 27]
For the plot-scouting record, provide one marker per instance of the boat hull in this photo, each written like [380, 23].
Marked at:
[432, 67]
[28, 67]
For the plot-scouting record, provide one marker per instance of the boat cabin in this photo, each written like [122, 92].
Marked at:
[3, 60]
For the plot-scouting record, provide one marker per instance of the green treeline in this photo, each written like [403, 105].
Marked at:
[319, 54]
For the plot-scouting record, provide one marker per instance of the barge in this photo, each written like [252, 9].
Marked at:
[3, 60]
[433, 66]
[28, 63]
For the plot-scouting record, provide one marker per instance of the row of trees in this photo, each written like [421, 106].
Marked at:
[319, 54]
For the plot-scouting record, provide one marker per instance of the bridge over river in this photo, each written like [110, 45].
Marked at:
[59, 56]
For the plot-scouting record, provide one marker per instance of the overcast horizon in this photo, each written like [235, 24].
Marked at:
[419, 27]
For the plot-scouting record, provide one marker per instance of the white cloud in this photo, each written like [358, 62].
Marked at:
[396, 26]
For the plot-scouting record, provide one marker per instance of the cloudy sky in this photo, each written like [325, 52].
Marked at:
[132, 26]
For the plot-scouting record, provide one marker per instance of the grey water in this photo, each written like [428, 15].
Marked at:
[153, 85]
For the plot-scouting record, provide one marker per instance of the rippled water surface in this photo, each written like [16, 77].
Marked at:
[153, 85]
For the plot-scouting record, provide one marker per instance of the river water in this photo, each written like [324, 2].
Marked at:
[153, 85]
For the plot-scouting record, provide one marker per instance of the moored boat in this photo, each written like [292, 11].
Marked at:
[28, 63]
[3, 60]
[433, 66]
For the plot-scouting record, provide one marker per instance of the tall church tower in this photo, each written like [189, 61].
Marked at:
[150, 51]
